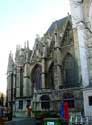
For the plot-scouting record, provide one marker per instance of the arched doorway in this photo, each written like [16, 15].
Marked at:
[68, 97]
[45, 102]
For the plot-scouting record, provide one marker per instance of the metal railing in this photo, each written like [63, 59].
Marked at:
[80, 120]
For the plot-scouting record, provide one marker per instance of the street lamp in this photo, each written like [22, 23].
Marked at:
[11, 103]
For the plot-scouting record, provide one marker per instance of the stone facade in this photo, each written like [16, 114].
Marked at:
[81, 12]
[48, 74]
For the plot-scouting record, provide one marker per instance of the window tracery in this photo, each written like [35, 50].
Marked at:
[36, 77]
[69, 71]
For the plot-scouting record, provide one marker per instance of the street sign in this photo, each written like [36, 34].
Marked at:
[50, 123]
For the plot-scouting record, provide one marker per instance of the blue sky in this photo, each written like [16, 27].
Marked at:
[21, 20]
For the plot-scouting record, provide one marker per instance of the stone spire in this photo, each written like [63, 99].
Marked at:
[17, 53]
[56, 27]
[27, 51]
[27, 44]
[24, 45]
[10, 63]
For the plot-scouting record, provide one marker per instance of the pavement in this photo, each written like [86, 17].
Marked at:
[21, 121]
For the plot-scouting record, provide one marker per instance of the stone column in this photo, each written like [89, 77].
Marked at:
[27, 86]
[43, 66]
[57, 63]
[77, 20]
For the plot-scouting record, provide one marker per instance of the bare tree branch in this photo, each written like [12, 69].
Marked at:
[86, 27]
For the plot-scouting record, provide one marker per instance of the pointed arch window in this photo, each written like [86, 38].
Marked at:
[69, 71]
[36, 77]
[51, 77]
[68, 97]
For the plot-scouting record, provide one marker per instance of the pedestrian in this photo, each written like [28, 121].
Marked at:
[1, 110]
[29, 110]
[9, 113]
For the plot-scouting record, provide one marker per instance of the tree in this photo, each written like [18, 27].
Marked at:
[2, 99]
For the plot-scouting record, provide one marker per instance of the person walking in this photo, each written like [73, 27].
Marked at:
[29, 110]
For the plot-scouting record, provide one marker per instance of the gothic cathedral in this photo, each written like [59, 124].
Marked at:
[55, 70]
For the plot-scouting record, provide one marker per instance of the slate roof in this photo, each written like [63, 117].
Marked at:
[60, 23]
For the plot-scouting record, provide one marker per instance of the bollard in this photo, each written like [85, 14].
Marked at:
[87, 121]
[76, 121]
[71, 120]
[81, 121]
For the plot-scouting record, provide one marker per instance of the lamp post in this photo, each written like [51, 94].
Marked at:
[11, 104]
[15, 94]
